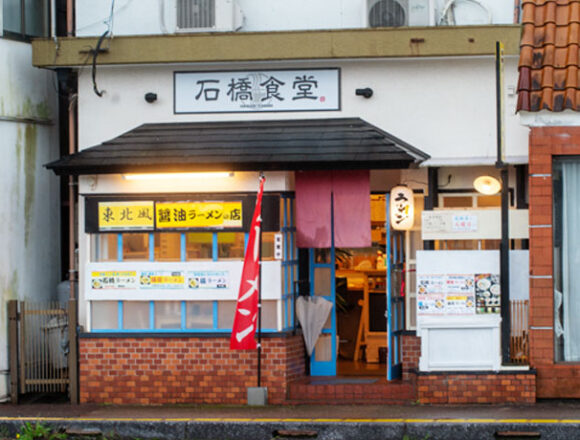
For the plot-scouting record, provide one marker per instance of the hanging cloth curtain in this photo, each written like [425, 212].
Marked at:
[571, 259]
[312, 313]
[349, 193]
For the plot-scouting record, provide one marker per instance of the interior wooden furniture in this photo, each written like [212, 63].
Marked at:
[369, 281]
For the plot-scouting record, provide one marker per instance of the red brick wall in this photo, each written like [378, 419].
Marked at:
[411, 352]
[184, 369]
[559, 380]
[476, 388]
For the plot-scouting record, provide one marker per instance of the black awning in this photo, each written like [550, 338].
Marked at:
[280, 145]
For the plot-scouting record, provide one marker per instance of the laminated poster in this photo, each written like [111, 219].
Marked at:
[446, 294]
[161, 279]
[111, 279]
[216, 279]
[487, 293]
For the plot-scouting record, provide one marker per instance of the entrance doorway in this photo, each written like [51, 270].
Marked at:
[366, 287]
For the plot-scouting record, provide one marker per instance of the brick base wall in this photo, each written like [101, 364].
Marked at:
[457, 388]
[555, 380]
[169, 370]
[410, 354]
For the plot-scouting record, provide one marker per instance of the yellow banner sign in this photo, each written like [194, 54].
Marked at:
[198, 215]
[119, 216]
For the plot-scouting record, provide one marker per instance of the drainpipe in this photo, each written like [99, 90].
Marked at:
[72, 183]
[69, 18]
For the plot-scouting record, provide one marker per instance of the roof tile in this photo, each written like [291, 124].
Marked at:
[549, 67]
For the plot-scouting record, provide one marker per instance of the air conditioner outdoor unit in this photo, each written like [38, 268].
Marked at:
[392, 13]
[208, 15]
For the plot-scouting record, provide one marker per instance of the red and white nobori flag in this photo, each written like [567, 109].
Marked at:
[246, 317]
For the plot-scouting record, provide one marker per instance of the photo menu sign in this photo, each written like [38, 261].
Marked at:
[457, 294]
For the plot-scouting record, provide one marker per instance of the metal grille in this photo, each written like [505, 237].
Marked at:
[43, 347]
[387, 13]
[195, 14]
[519, 338]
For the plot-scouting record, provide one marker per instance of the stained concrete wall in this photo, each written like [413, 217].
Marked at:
[29, 199]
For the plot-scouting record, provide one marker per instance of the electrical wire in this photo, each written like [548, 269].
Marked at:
[107, 34]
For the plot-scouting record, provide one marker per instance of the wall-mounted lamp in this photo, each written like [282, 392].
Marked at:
[487, 185]
[150, 97]
[366, 92]
[176, 176]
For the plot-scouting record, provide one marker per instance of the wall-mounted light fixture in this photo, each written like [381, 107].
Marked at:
[366, 92]
[487, 185]
[150, 97]
[176, 176]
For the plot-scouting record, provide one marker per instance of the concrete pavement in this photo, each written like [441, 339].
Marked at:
[547, 420]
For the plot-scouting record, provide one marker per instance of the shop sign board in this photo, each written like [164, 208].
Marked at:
[257, 91]
[171, 215]
[129, 215]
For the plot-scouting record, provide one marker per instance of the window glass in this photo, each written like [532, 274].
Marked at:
[104, 247]
[168, 246]
[566, 242]
[199, 314]
[231, 245]
[457, 201]
[167, 314]
[36, 17]
[12, 16]
[269, 314]
[105, 315]
[136, 315]
[489, 201]
[268, 245]
[34, 23]
[198, 245]
[226, 310]
[136, 246]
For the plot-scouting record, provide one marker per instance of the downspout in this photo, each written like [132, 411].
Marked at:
[73, 358]
[69, 18]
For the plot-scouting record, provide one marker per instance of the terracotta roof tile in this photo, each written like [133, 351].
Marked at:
[549, 67]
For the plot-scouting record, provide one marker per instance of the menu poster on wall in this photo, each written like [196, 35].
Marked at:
[446, 294]
[205, 279]
[459, 304]
[431, 304]
[161, 279]
[488, 293]
[111, 279]
[459, 284]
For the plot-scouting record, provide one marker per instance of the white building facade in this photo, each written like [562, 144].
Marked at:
[423, 72]
[30, 231]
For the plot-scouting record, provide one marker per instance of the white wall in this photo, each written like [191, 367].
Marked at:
[137, 17]
[29, 214]
[445, 107]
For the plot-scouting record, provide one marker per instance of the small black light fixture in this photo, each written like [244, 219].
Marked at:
[150, 97]
[366, 92]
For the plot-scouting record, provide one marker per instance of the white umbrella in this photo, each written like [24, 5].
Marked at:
[312, 312]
